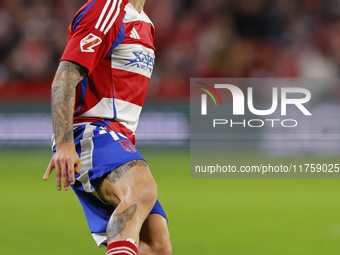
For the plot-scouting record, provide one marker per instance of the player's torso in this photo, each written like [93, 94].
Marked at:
[117, 87]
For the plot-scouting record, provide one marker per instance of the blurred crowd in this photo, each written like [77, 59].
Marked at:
[194, 38]
[33, 34]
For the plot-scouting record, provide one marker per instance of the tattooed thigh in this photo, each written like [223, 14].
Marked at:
[106, 187]
[119, 172]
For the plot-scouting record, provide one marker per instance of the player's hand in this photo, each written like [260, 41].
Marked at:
[66, 163]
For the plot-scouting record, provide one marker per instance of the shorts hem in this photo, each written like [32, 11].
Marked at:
[100, 171]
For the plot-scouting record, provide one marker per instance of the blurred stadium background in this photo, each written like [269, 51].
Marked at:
[202, 38]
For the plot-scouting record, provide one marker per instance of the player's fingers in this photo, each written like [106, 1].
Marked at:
[70, 167]
[49, 169]
[64, 175]
[58, 175]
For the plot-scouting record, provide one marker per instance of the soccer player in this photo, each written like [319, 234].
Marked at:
[97, 96]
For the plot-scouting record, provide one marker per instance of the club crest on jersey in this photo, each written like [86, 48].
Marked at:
[142, 61]
[128, 146]
[89, 42]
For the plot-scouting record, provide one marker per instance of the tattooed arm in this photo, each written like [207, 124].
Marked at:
[65, 161]
[63, 95]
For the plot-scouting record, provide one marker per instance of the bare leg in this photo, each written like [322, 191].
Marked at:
[132, 189]
[154, 236]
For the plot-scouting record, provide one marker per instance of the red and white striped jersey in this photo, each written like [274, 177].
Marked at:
[115, 43]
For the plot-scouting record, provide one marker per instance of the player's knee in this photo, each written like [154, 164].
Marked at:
[146, 195]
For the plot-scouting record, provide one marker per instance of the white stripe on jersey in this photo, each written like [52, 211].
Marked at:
[104, 109]
[114, 11]
[133, 58]
[86, 157]
[127, 114]
[108, 16]
[102, 14]
[114, 18]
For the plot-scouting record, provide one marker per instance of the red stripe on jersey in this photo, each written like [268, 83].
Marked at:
[130, 87]
[80, 119]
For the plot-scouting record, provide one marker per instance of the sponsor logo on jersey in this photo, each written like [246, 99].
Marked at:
[128, 146]
[89, 43]
[142, 61]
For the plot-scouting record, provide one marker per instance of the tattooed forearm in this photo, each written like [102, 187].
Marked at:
[63, 95]
[118, 173]
[118, 221]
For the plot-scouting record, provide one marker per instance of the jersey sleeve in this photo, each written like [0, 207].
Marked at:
[94, 32]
